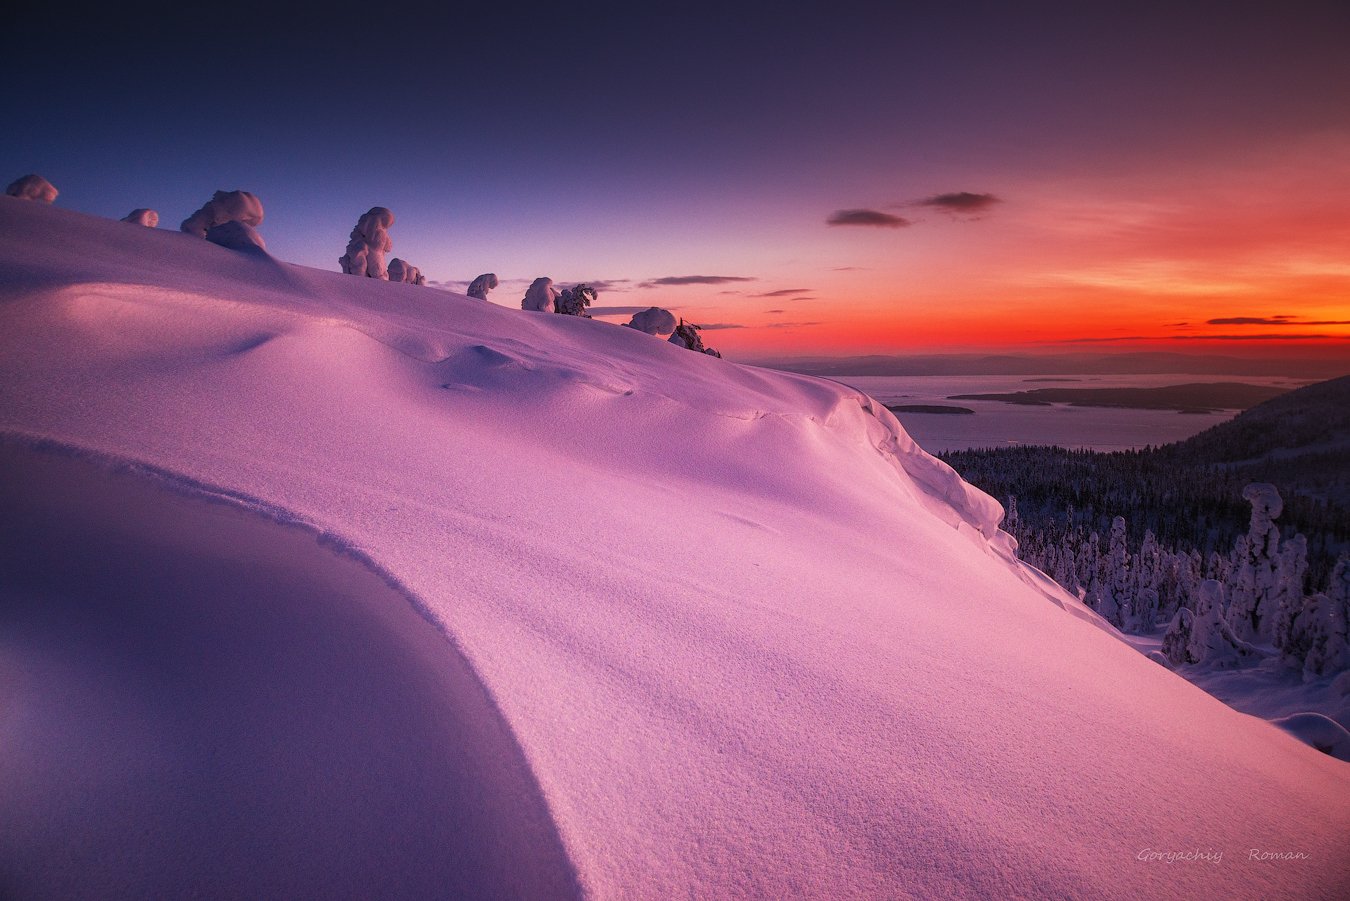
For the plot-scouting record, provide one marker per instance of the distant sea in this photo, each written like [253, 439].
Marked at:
[997, 424]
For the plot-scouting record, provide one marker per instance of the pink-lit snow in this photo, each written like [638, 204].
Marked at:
[741, 636]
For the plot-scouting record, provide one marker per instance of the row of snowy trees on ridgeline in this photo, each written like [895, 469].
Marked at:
[231, 219]
[1226, 610]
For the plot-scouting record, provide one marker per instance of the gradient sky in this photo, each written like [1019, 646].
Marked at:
[1009, 176]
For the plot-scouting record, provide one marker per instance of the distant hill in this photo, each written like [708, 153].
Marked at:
[1189, 494]
[1300, 439]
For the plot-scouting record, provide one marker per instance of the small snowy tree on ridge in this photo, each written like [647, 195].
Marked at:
[541, 296]
[480, 286]
[368, 244]
[403, 271]
[574, 301]
[686, 335]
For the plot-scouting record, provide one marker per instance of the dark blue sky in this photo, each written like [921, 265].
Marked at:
[636, 143]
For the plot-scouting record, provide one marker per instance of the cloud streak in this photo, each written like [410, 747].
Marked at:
[1265, 336]
[785, 292]
[615, 311]
[682, 280]
[1274, 320]
[866, 218]
[961, 202]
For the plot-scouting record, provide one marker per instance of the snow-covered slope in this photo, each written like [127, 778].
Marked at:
[748, 638]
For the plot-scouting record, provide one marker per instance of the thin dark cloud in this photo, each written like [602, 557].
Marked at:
[1274, 320]
[1265, 336]
[792, 324]
[775, 311]
[785, 292]
[961, 202]
[869, 218]
[850, 269]
[716, 326]
[681, 280]
[615, 311]
[608, 284]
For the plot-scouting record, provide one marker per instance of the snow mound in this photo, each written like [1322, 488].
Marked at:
[224, 206]
[32, 187]
[1322, 732]
[237, 236]
[653, 321]
[142, 216]
[747, 637]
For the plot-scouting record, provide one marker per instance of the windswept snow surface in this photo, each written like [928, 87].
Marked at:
[749, 639]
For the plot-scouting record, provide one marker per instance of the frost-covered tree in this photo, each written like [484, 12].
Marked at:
[1113, 598]
[1323, 626]
[1176, 642]
[1089, 558]
[1251, 610]
[541, 296]
[686, 335]
[403, 271]
[480, 286]
[653, 321]
[148, 218]
[1290, 572]
[236, 236]
[1147, 579]
[574, 301]
[224, 206]
[1212, 640]
[1065, 572]
[32, 187]
[368, 244]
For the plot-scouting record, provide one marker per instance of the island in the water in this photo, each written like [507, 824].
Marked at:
[928, 408]
[1190, 398]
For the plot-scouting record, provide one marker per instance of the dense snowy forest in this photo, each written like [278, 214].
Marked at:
[1180, 537]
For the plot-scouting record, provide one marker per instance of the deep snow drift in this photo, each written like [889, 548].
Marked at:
[745, 635]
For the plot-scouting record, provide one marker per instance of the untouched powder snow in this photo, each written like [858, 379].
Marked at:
[740, 635]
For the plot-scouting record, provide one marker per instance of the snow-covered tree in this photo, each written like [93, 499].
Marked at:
[1251, 610]
[574, 301]
[148, 218]
[368, 244]
[1089, 559]
[1212, 640]
[32, 187]
[236, 236]
[480, 286]
[224, 206]
[1113, 598]
[403, 271]
[1176, 642]
[686, 335]
[1290, 571]
[1324, 626]
[653, 321]
[541, 296]
[1147, 578]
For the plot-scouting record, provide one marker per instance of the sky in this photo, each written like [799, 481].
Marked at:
[854, 179]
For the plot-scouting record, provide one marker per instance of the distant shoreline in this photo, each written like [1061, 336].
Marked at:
[929, 408]
[1192, 398]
